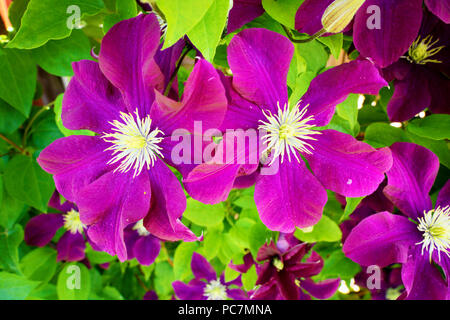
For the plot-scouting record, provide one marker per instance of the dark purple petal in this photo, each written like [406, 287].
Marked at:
[237, 294]
[333, 86]
[400, 22]
[381, 239]
[90, 101]
[268, 251]
[126, 58]
[347, 166]
[243, 11]
[243, 268]
[55, 203]
[150, 295]
[309, 16]
[168, 203]
[201, 268]
[411, 177]
[311, 267]
[167, 60]
[42, 228]
[290, 198]
[443, 199]
[75, 162]
[321, 289]
[286, 284]
[440, 8]
[146, 249]
[259, 60]
[109, 204]
[268, 291]
[192, 291]
[71, 247]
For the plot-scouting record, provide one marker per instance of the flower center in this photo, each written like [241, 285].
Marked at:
[139, 227]
[287, 132]
[278, 264]
[421, 50]
[215, 291]
[134, 144]
[72, 222]
[435, 225]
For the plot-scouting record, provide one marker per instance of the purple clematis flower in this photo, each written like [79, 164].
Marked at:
[289, 196]
[284, 276]
[141, 244]
[421, 78]
[384, 238]
[120, 176]
[242, 12]
[382, 29]
[40, 230]
[206, 285]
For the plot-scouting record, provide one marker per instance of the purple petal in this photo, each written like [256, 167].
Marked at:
[309, 16]
[443, 199]
[243, 11]
[109, 204]
[347, 166]
[243, 268]
[150, 295]
[71, 247]
[268, 291]
[381, 239]
[168, 203]
[290, 198]
[237, 294]
[333, 86]
[286, 285]
[90, 101]
[201, 268]
[75, 162]
[400, 22]
[167, 59]
[127, 59]
[146, 249]
[55, 203]
[321, 289]
[42, 228]
[192, 291]
[440, 8]
[259, 60]
[411, 177]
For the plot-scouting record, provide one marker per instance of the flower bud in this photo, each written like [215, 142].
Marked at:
[339, 14]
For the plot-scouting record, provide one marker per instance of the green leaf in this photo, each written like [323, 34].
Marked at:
[74, 282]
[384, 135]
[282, 11]
[9, 244]
[39, 24]
[313, 54]
[435, 126]
[240, 231]
[338, 265]
[98, 257]
[212, 242]
[249, 278]
[351, 205]
[125, 9]
[56, 56]
[163, 279]
[348, 110]
[259, 234]
[111, 293]
[11, 210]
[14, 287]
[45, 131]
[182, 260]
[17, 79]
[181, 17]
[16, 11]
[26, 181]
[334, 43]
[206, 34]
[204, 214]
[229, 249]
[438, 147]
[39, 264]
[230, 274]
[10, 118]
[325, 230]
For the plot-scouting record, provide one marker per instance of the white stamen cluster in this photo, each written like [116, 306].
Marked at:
[435, 225]
[72, 222]
[141, 230]
[215, 291]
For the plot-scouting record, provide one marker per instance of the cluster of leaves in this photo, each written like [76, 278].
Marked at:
[28, 123]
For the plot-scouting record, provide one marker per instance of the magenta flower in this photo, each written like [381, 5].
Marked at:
[141, 244]
[120, 176]
[242, 12]
[41, 229]
[291, 196]
[417, 240]
[382, 29]
[206, 285]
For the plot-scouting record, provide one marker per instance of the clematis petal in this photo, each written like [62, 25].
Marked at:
[440, 8]
[90, 101]
[333, 86]
[55, 203]
[321, 289]
[201, 268]
[399, 24]
[75, 161]
[381, 239]
[259, 60]
[126, 58]
[168, 203]
[204, 100]
[268, 291]
[109, 204]
[242, 12]
[146, 249]
[237, 294]
[347, 166]
[290, 198]
[286, 285]
[167, 60]
[71, 247]
[192, 291]
[443, 198]
[42, 228]
[411, 177]
[308, 18]
[150, 295]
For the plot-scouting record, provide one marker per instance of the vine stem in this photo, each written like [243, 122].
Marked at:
[311, 38]
[30, 123]
[12, 143]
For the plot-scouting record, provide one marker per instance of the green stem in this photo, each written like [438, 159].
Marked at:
[12, 143]
[311, 38]
[30, 123]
